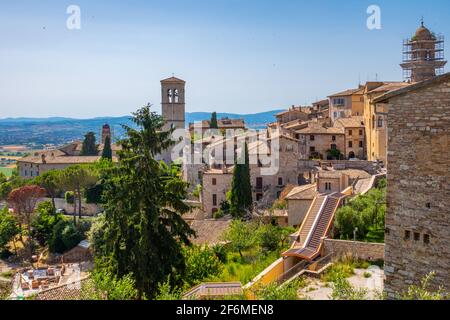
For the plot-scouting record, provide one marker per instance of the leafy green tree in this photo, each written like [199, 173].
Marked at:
[3, 178]
[364, 215]
[201, 263]
[269, 237]
[44, 222]
[240, 236]
[9, 228]
[107, 151]
[77, 178]
[96, 235]
[241, 190]
[213, 124]
[50, 181]
[145, 230]
[89, 147]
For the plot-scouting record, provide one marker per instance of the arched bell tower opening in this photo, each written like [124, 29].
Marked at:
[173, 102]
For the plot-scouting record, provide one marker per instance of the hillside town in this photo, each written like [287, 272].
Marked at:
[342, 199]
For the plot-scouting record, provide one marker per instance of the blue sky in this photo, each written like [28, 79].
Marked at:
[241, 56]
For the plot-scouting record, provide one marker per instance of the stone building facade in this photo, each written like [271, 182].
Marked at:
[355, 142]
[316, 140]
[418, 215]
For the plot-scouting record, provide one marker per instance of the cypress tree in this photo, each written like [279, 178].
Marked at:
[107, 151]
[241, 190]
[213, 124]
[89, 147]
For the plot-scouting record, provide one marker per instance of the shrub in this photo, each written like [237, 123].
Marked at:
[65, 236]
[367, 275]
[343, 290]
[201, 263]
[70, 197]
[96, 235]
[285, 292]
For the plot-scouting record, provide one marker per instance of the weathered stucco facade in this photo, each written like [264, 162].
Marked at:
[418, 214]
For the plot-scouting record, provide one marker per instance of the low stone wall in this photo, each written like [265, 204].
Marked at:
[368, 166]
[363, 250]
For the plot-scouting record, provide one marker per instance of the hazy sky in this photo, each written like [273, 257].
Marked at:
[241, 56]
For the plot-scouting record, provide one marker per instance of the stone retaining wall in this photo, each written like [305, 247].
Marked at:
[363, 250]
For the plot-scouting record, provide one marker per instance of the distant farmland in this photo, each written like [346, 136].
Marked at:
[6, 171]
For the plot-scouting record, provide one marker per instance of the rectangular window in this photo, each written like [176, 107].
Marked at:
[350, 132]
[333, 147]
[360, 132]
[280, 181]
[380, 122]
[361, 144]
[311, 138]
[259, 196]
[333, 138]
[407, 234]
[426, 238]
[416, 236]
[312, 149]
[350, 144]
[289, 148]
[214, 181]
[339, 101]
[259, 183]
[328, 186]
[214, 199]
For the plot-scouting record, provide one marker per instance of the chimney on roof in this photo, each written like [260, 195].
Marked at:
[43, 158]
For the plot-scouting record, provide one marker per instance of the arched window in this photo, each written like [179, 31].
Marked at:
[176, 96]
[170, 95]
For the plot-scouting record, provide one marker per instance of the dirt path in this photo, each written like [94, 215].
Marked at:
[318, 290]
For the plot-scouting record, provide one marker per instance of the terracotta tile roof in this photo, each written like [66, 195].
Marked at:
[352, 122]
[214, 290]
[69, 291]
[209, 231]
[318, 129]
[348, 92]
[62, 159]
[415, 86]
[306, 192]
[389, 86]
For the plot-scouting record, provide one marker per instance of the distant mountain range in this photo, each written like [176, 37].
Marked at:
[59, 130]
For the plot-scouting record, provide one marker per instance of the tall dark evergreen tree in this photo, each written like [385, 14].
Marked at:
[145, 230]
[107, 151]
[89, 147]
[241, 190]
[213, 124]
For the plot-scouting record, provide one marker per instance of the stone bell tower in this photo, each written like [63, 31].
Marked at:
[173, 102]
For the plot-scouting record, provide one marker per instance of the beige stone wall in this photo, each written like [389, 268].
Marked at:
[31, 170]
[362, 250]
[321, 143]
[355, 135]
[376, 137]
[297, 210]
[418, 188]
[337, 184]
[223, 184]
